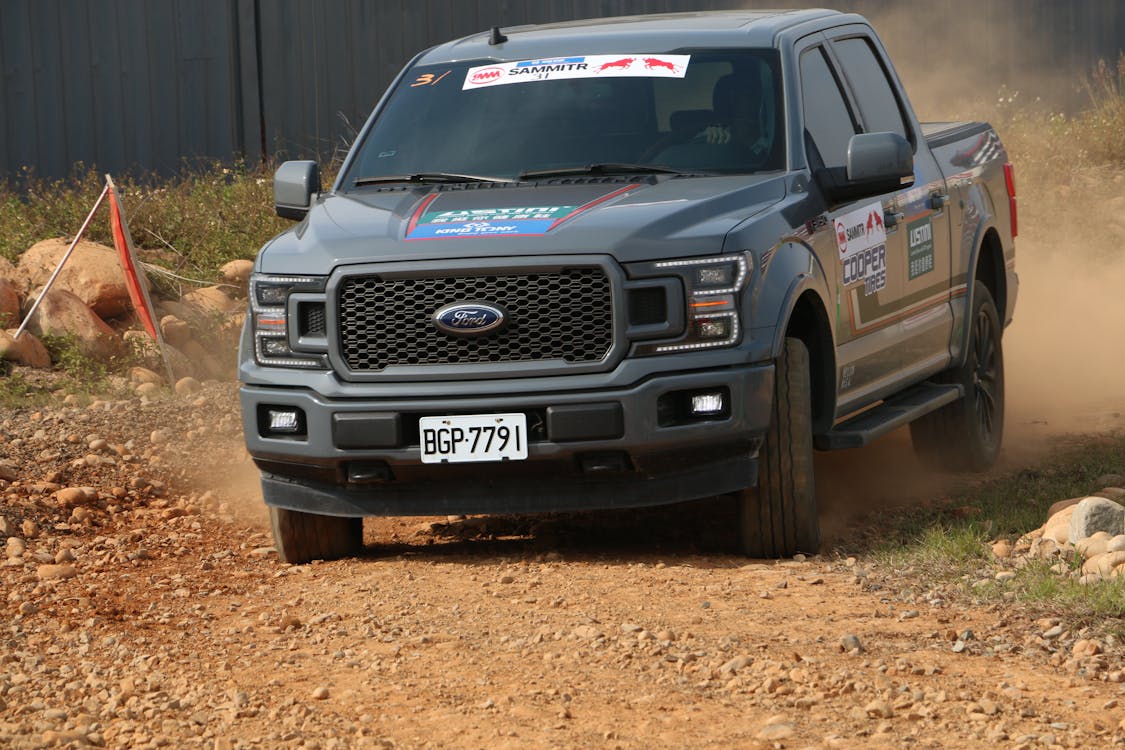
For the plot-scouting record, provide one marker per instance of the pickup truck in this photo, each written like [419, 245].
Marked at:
[625, 262]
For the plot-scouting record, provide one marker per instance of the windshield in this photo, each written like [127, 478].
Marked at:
[693, 111]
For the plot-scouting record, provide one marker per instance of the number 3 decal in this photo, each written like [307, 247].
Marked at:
[427, 79]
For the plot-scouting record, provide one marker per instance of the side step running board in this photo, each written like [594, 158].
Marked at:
[889, 415]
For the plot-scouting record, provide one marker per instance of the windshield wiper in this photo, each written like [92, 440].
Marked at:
[428, 178]
[602, 168]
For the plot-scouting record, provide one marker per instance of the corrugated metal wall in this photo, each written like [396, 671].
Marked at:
[146, 84]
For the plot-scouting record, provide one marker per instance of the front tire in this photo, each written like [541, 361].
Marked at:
[966, 435]
[303, 537]
[780, 519]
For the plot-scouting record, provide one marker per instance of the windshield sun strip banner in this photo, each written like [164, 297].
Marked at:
[580, 66]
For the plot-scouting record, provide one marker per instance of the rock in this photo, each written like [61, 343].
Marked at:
[1005, 575]
[1111, 493]
[1116, 544]
[26, 350]
[93, 274]
[1084, 647]
[9, 304]
[735, 664]
[587, 632]
[8, 471]
[1062, 505]
[1103, 564]
[210, 300]
[321, 693]
[851, 643]
[1057, 528]
[1002, 549]
[29, 528]
[665, 635]
[773, 732]
[147, 389]
[188, 386]
[64, 556]
[64, 314]
[1110, 480]
[55, 572]
[1095, 544]
[14, 547]
[147, 353]
[139, 375]
[70, 496]
[237, 273]
[175, 331]
[1094, 514]
[879, 709]
[1053, 632]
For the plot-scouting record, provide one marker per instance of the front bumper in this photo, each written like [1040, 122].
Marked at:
[604, 448]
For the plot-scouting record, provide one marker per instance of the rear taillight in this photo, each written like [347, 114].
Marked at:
[1010, 181]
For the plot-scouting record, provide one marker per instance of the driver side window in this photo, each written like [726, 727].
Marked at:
[829, 124]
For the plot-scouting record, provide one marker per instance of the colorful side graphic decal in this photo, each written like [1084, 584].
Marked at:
[584, 66]
[862, 240]
[486, 222]
[920, 236]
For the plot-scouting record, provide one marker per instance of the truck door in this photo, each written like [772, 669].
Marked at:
[918, 309]
[868, 256]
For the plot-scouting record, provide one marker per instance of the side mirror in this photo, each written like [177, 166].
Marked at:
[877, 163]
[294, 185]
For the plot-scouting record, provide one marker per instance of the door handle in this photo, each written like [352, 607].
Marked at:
[938, 201]
[893, 218]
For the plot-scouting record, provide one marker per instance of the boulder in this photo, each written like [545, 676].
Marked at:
[9, 304]
[210, 300]
[1057, 527]
[1116, 544]
[237, 273]
[62, 314]
[1062, 505]
[7, 270]
[1111, 493]
[27, 350]
[175, 331]
[1103, 564]
[1095, 544]
[1094, 514]
[93, 274]
[138, 375]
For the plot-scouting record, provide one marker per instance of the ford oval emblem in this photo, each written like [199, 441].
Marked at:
[470, 318]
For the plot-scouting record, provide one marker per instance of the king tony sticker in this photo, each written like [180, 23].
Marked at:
[582, 66]
[861, 238]
[488, 222]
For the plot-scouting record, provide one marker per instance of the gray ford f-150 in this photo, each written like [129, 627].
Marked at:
[627, 262]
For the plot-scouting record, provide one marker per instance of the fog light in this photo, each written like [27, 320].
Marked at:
[713, 328]
[284, 420]
[707, 403]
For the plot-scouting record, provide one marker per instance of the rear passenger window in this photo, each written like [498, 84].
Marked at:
[827, 120]
[878, 105]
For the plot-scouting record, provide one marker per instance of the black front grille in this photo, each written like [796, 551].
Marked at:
[565, 316]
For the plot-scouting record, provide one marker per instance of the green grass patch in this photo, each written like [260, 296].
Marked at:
[949, 542]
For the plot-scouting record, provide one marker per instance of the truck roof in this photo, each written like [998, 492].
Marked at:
[661, 32]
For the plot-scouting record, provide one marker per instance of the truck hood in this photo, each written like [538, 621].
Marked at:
[630, 220]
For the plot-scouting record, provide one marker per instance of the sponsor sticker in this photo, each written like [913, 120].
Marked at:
[869, 266]
[920, 237]
[584, 66]
[488, 222]
[860, 229]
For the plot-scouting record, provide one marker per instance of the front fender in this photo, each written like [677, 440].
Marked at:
[788, 270]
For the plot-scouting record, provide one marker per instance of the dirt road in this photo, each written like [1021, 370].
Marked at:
[148, 612]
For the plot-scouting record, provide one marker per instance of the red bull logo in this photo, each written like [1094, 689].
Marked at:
[623, 64]
[655, 63]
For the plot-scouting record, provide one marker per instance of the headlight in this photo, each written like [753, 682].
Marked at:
[712, 286]
[270, 306]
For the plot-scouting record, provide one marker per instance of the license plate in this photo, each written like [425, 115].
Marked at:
[473, 437]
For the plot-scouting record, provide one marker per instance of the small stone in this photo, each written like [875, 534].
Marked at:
[64, 556]
[188, 386]
[1053, 632]
[55, 572]
[850, 643]
[1005, 575]
[628, 627]
[1116, 544]
[665, 635]
[959, 646]
[29, 528]
[321, 693]
[70, 496]
[507, 579]
[774, 732]
[735, 664]
[1085, 648]
[28, 608]
[879, 709]
[1002, 549]
[587, 632]
[15, 547]
[147, 389]
[289, 621]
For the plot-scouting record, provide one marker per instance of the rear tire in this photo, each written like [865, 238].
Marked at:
[780, 519]
[966, 435]
[303, 537]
